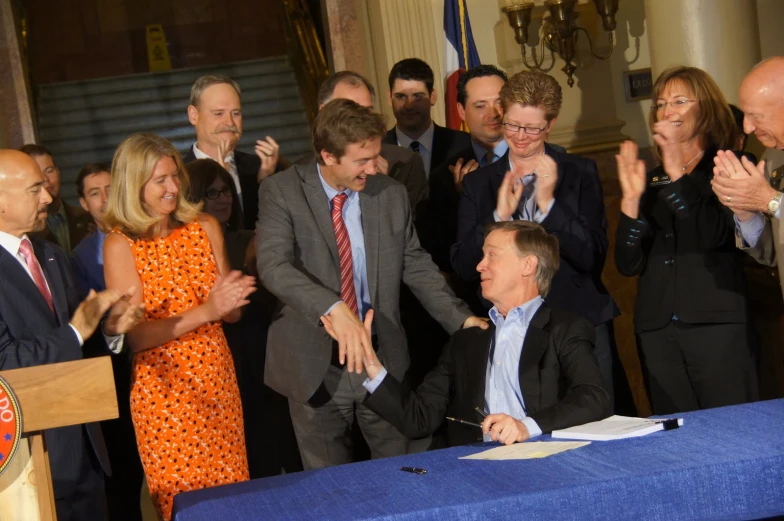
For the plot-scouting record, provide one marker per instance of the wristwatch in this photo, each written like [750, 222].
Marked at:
[775, 203]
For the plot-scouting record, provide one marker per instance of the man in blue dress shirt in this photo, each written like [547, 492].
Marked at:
[532, 373]
[123, 487]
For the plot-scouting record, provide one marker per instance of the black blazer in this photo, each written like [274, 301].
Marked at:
[683, 249]
[31, 335]
[559, 377]
[446, 143]
[248, 166]
[577, 219]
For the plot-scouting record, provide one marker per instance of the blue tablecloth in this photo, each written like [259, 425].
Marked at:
[725, 463]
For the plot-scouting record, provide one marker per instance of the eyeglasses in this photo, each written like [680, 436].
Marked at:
[213, 194]
[673, 104]
[531, 131]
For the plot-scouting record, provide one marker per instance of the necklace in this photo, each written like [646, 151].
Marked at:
[686, 165]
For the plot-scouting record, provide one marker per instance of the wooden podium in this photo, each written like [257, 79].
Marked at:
[50, 396]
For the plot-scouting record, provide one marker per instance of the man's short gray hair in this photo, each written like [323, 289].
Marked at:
[327, 89]
[200, 85]
[532, 239]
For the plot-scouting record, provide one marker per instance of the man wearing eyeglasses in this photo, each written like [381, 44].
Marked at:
[562, 192]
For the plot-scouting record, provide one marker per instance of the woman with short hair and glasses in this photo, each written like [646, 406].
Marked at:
[690, 315]
[561, 192]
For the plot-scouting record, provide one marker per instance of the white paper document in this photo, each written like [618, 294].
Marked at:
[616, 428]
[530, 450]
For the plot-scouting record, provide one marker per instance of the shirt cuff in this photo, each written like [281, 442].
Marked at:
[78, 336]
[532, 426]
[497, 218]
[751, 230]
[540, 216]
[331, 308]
[371, 385]
[114, 343]
[777, 215]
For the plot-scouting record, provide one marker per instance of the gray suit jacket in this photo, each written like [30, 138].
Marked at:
[770, 245]
[298, 262]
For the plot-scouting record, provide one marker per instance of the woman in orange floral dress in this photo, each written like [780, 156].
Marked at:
[185, 402]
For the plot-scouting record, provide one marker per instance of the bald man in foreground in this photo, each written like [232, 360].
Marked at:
[43, 322]
[754, 192]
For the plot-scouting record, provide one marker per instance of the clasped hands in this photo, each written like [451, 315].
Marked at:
[740, 185]
[512, 188]
[354, 338]
[122, 317]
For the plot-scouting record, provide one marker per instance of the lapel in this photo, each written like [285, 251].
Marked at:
[16, 275]
[440, 146]
[501, 167]
[319, 206]
[534, 347]
[55, 278]
[550, 151]
[370, 222]
[482, 352]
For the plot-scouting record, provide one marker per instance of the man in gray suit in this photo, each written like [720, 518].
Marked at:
[335, 240]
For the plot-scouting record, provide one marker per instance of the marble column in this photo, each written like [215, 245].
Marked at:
[16, 111]
[719, 36]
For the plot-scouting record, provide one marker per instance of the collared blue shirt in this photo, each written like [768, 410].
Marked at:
[352, 218]
[87, 262]
[502, 382]
[481, 152]
[425, 145]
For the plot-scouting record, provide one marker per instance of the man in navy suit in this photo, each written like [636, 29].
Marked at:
[411, 94]
[123, 489]
[42, 322]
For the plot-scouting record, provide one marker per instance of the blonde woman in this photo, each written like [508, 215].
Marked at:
[185, 403]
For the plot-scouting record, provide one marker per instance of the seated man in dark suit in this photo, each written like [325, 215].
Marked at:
[215, 112]
[43, 322]
[401, 164]
[411, 94]
[533, 372]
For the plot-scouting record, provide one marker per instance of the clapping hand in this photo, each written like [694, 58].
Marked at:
[631, 176]
[666, 136]
[267, 150]
[229, 293]
[509, 195]
[546, 178]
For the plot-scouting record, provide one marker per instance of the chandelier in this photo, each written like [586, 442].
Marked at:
[559, 32]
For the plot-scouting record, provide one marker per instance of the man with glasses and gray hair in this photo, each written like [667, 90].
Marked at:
[562, 192]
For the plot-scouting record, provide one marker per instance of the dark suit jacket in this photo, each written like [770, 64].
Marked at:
[31, 335]
[78, 226]
[248, 166]
[298, 262]
[559, 378]
[446, 143]
[683, 249]
[405, 166]
[577, 219]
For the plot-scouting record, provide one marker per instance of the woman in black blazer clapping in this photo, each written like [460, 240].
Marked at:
[690, 315]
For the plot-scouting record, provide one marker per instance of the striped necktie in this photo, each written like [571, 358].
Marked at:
[347, 292]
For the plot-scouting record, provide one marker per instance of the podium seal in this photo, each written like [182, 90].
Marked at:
[10, 424]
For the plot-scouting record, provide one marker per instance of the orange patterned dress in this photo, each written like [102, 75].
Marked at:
[185, 402]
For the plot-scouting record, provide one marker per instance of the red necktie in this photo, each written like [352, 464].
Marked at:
[26, 249]
[347, 292]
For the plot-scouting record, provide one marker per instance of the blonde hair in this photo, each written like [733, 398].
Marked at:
[132, 167]
[533, 89]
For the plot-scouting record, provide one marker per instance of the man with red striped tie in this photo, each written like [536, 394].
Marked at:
[335, 240]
